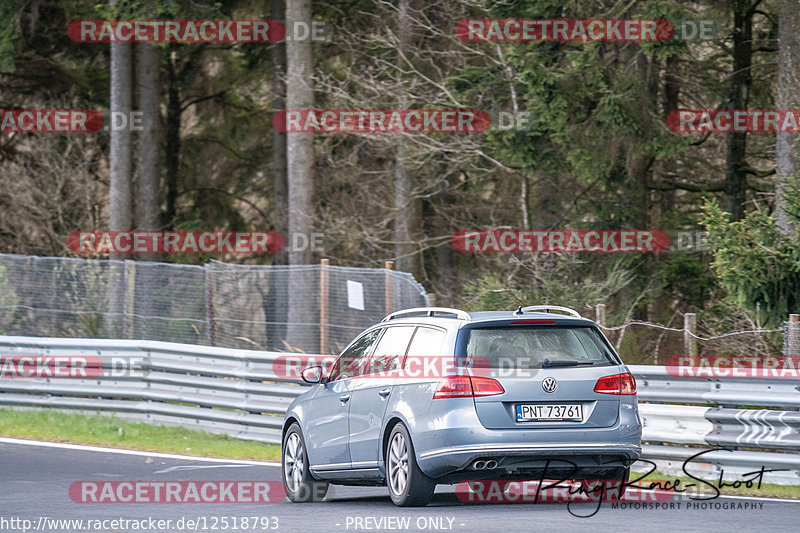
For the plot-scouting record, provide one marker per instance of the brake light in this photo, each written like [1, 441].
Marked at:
[619, 384]
[466, 387]
[533, 322]
[486, 386]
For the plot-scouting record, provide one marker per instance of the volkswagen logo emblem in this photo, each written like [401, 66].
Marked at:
[549, 385]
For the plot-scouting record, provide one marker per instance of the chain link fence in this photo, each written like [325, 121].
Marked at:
[310, 308]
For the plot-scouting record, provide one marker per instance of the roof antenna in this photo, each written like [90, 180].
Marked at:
[518, 311]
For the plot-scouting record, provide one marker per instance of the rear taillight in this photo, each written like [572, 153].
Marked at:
[466, 387]
[617, 384]
[486, 386]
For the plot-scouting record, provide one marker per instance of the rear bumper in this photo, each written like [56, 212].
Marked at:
[448, 442]
[551, 461]
[468, 452]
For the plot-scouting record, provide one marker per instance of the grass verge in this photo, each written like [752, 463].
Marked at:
[109, 431]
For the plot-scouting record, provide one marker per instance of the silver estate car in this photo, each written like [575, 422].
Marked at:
[438, 396]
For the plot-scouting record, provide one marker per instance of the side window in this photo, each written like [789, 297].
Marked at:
[426, 342]
[390, 349]
[353, 360]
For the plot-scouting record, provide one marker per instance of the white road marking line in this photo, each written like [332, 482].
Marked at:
[758, 498]
[198, 467]
[121, 451]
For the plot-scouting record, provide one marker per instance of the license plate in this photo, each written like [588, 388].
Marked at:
[550, 411]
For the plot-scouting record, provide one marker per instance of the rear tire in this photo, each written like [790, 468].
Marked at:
[295, 471]
[615, 485]
[408, 486]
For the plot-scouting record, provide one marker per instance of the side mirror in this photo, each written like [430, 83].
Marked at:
[312, 374]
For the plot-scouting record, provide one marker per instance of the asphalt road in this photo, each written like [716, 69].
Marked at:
[35, 482]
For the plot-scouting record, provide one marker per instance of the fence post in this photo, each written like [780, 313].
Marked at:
[792, 337]
[689, 328]
[600, 314]
[388, 286]
[324, 293]
[128, 305]
[210, 323]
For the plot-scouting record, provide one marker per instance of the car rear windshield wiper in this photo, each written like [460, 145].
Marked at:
[549, 363]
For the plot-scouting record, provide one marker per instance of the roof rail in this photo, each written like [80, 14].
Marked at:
[429, 311]
[548, 309]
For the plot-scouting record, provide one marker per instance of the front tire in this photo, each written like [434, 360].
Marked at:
[295, 471]
[408, 486]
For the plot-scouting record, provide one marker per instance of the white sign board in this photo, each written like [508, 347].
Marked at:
[355, 295]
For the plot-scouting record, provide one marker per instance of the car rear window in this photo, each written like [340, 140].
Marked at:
[535, 346]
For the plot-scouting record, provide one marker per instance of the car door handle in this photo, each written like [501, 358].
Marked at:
[345, 398]
[385, 392]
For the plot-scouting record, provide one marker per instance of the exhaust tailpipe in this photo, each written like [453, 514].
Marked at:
[479, 465]
[490, 465]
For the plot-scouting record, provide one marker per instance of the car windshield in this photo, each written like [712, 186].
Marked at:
[535, 347]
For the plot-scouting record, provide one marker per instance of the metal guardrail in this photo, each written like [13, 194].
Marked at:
[238, 393]
[727, 413]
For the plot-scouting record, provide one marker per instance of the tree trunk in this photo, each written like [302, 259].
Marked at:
[788, 97]
[173, 142]
[739, 98]
[280, 185]
[300, 175]
[406, 207]
[276, 303]
[120, 200]
[147, 183]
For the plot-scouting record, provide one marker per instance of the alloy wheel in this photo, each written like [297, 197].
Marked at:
[293, 462]
[398, 464]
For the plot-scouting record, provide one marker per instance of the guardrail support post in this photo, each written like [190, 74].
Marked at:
[324, 293]
[600, 314]
[689, 328]
[389, 286]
